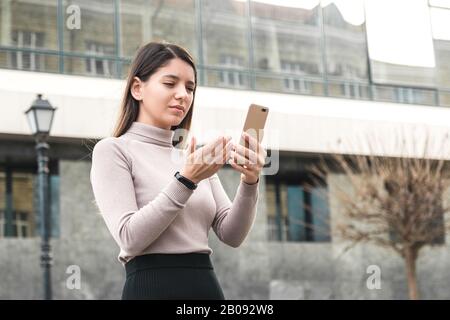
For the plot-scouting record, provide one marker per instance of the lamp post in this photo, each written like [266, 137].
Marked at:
[40, 117]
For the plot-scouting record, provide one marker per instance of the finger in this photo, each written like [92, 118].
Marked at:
[209, 148]
[192, 145]
[219, 155]
[220, 141]
[241, 160]
[259, 136]
[239, 168]
[247, 153]
[229, 147]
[262, 156]
[216, 148]
[245, 144]
[259, 150]
[253, 144]
[212, 160]
[222, 155]
[262, 161]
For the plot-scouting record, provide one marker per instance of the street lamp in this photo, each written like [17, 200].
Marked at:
[40, 118]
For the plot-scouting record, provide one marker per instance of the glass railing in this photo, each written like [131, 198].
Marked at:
[236, 78]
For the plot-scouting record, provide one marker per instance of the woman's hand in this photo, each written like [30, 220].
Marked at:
[207, 160]
[249, 159]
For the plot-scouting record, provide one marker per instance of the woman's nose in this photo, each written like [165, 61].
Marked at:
[181, 93]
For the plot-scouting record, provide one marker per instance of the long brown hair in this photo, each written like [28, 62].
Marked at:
[149, 58]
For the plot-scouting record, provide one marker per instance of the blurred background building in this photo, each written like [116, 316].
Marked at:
[331, 72]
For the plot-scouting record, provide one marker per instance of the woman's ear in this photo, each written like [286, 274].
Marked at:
[136, 89]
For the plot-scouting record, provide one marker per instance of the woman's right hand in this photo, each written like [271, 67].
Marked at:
[207, 160]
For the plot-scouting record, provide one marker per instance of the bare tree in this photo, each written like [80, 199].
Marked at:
[395, 203]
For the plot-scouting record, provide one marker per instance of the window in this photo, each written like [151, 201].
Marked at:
[22, 224]
[19, 204]
[99, 66]
[351, 90]
[96, 23]
[231, 77]
[297, 212]
[27, 60]
[17, 208]
[286, 31]
[286, 38]
[224, 28]
[345, 40]
[404, 95]
[296, 84]
[277, 212]
[440, 17]
[143, 21]
[29, 26]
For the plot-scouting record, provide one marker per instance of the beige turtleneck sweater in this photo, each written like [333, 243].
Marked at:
[147, 210]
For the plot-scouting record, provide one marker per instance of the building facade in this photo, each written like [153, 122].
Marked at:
[315, 65]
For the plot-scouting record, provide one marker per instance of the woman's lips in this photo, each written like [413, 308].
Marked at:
[178, 110]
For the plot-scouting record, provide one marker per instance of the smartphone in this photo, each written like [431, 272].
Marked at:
[255, 122]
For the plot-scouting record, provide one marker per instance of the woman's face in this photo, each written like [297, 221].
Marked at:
[161, 97]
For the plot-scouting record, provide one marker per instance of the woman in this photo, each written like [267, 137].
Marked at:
[159, 211]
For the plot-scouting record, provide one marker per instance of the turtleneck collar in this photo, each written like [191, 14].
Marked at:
[151, 134]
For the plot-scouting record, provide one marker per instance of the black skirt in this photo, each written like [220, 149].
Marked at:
[171, 276]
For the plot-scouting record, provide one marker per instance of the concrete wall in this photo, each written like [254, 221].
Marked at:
[286, 270]
[257, 270]
[84, 242]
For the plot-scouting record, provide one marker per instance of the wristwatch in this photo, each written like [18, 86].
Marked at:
[188, 183]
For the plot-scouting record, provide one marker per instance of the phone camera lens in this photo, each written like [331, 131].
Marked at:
[264, 110]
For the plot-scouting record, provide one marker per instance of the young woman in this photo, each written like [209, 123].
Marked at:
[159, 211]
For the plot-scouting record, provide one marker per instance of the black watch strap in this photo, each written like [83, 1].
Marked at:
[188, 183]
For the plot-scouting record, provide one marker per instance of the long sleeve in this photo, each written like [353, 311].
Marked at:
[133, 228]
[233, 220]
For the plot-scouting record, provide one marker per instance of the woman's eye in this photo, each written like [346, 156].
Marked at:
[172, 84]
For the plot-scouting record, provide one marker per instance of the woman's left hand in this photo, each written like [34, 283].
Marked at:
[250, 160]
